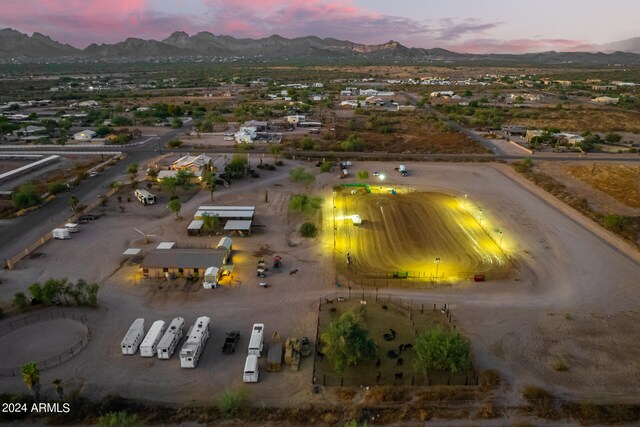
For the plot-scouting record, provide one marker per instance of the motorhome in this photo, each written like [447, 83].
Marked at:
[134, 337]
[251, 369]
[257, 340]
[170, 339]
[149, 345]
[194, 345]
[145, 197]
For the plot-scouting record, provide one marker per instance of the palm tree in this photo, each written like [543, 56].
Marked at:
[73, 201]
[31, 378]
[57, 386]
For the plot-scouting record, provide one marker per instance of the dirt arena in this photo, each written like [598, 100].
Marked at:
[407, 232]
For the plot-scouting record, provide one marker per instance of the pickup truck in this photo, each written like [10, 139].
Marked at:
[230, 342]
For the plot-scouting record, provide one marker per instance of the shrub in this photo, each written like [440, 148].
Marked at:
[57, 188]
[174, 143]
[352, 143]
[301, 175]
[308, 229]
[118, 419]
[20, 300]
[560, 366]
[279, 163]
[26, 197]
[230, 402]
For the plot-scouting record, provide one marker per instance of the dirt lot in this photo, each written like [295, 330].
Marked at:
[406, 232]
[574, 297]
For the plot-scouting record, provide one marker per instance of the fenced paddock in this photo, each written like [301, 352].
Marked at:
[34, 341]
[383, 313]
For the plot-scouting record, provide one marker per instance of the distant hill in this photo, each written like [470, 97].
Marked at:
[628, 45]
[16, 46]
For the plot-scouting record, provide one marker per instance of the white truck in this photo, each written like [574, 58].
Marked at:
[194, 345]
[149, 345]
[145, 197]
[403, 170]
[60, 233]
[134, 337]
[170, 339]
[257, 340]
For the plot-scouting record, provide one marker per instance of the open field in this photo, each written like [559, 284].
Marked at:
[618, 181]
[406, 232]
[592, 118]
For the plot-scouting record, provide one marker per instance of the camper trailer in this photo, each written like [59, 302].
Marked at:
[145, 197]
[149, 345]
[251, 369]
[193, 346]
[60, 233]
[170, 339]
[72, 227]
[257, 340]
[134, 337]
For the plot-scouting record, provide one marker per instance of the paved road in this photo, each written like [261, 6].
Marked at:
[19, 232]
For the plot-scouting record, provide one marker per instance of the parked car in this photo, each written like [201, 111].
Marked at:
[88, 217]
[230, 342]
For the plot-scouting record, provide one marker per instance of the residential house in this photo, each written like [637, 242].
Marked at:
[85, 135]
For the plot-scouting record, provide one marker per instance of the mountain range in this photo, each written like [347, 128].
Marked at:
[19, 47]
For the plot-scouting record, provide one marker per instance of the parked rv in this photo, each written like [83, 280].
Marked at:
[194, 345]
[257, 340]
[60, 233]
[149, 345]
[145, 197]
[170, 339]
[251, 369]
[134, 337]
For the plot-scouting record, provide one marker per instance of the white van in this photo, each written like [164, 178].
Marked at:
[228, 137]
[72, 227]
[257, 339]
[251, 369]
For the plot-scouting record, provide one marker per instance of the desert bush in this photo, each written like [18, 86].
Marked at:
[230, 402]
[308, 229]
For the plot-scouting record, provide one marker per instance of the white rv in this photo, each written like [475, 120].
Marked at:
[170, 339]
[193, 346]
[149, 345]
[134, 337]
[257, 340]
[145, 197]
[60, 233]
[251, 369]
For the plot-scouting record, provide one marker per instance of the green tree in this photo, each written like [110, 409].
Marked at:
[175, 206]
[237, 167]
[73, 202]
[58, 388]
[52, 290]
[210, 222]
[301, 175]
[132, 169]
[121, 121]
[31, 377]
[36, 291]
[347, 343]
[304, 204]
[20, 300]
[116, 185]
[442, 350]
[326, 166]
[613, 138]
[363, 175]
[152, 173]
[118, 419]
[184, 178]
[169, 183]
[103, 131]
[352, 143]
[308, 229]
[209, 180]
[25, 197]
[275, 150]
[306, 143]
[177, 123]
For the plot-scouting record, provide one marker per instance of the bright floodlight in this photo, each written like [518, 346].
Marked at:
[381, 177]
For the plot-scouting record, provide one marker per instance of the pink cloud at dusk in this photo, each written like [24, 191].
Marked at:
[81, 22]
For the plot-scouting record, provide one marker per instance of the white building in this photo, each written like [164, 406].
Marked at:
[85, 135]
[606, 100]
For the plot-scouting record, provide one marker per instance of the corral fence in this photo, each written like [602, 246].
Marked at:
[406, 307]
[43, 317]
[419, 279]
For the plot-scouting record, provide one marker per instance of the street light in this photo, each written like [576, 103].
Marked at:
[465, 201]
[500, 244]
[480, 218]
[437, 261]
[381, 177]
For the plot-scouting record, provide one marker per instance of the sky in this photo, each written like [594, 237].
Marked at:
[476, 26]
